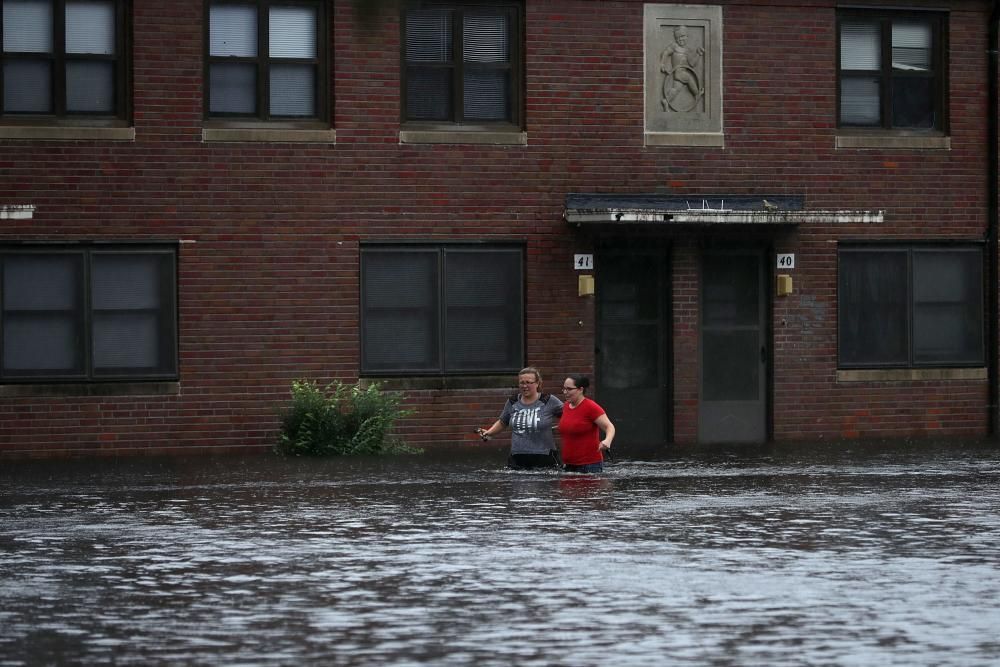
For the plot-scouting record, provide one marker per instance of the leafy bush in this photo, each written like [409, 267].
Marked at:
[340, 419]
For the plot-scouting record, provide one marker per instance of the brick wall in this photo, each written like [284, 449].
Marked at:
[268, 267]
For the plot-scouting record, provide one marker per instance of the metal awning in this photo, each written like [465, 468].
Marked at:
[704, 210]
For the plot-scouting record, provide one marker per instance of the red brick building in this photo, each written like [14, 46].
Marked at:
[788, 212]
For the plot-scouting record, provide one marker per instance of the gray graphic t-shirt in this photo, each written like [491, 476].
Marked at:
[531, 425]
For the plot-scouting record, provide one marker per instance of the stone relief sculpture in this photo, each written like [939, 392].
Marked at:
[682, 75]
[682, 72]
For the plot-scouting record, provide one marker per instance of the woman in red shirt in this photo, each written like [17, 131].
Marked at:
[580, 426]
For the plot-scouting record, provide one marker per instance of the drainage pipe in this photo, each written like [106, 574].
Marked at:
[992, 222]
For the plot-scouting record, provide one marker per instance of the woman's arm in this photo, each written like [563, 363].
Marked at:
[487, 433]
[605, 425]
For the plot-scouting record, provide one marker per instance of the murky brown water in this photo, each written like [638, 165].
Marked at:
[856, 555]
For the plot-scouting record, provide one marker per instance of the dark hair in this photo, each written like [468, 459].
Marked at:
[581, 382]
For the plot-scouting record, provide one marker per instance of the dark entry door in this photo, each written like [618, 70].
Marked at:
[733, 405]
[633, 340]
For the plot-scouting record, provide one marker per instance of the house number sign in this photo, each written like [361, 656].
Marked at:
[786, 261]
[583, 262]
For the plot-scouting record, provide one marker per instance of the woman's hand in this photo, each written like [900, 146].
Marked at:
[483, 434]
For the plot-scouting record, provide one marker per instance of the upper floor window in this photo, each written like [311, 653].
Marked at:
[442, 309]
[84, 313]
[910, 306]
[462, 64]
[64, 58]
[266, 60]
[892, 70]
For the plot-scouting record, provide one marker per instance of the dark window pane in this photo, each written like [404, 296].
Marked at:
[487, 95]
[27, 86]
[873, 308]
[428, 94]
[483, 316]
[233, 88]
[913, 102]
[727, 299]
[42, 300]
[400, 311]
[90, 87]
[485, 38]
[293, 90]
[860, 101]
[429, 36]
[131, 297]
[947, 307]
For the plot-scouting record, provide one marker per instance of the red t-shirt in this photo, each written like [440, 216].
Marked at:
[581, 439]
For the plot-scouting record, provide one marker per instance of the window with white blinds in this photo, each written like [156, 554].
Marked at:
[441, 309]
[266, 60]
[892, 70]
[462, 64]
[80, 73]
[88, 313]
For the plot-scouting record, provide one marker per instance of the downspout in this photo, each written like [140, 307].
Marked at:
[992, 222]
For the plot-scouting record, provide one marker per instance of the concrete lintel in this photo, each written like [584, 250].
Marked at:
[498, 138]
[268, 135]
[695, 139]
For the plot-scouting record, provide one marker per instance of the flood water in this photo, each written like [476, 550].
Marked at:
[835, 555]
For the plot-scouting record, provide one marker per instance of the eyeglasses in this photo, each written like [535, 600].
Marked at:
[570, 388]
[528, 382]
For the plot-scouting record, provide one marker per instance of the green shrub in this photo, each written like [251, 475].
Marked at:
[339, 420]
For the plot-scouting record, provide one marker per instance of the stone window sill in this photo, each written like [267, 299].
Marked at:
[481, 137]
[886, 141]
[168, 388]
[910, 374]
[67, 133]
[275, 135]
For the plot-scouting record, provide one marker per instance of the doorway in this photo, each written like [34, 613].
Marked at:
[633, 341]
[734, 350]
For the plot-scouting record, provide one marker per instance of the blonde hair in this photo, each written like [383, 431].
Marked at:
[530, 370]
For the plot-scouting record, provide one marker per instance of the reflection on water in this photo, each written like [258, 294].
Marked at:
[747, 557]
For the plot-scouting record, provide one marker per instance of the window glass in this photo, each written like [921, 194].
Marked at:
[233, 31]
[428, 36]
[292, 32]
[233, 88]
[27, 26]
[461, 64]
[860, 46]
[26, 86]
[441, 309]
[90, 87]
[41, 308]
[129, 328]
[899, 87]
[911, 46]
[79, 70]
[90, 27]
[906, 307]
[268, 70]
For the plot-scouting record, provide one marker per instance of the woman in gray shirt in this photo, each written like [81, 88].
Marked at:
[531, 416]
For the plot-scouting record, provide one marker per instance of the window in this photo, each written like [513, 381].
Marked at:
[910, 306]
[64, 58]
[88, 313]
[441, 309]
[266, 60]
[892, 70]
[462, 64]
